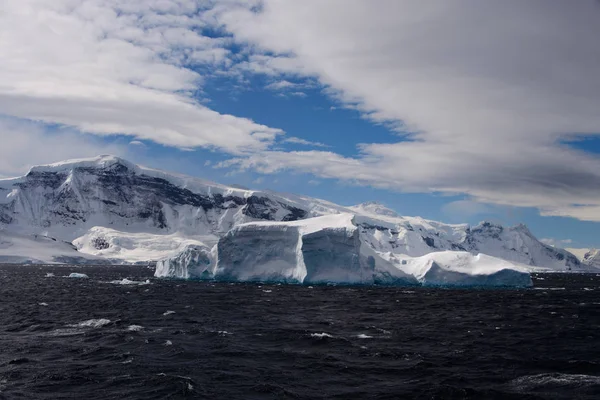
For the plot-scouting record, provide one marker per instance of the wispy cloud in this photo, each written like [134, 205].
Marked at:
[297, 140]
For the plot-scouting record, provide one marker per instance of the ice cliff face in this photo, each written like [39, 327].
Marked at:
[316, 250]
[113, 209]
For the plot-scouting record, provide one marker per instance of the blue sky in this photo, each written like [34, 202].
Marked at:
[440, 112]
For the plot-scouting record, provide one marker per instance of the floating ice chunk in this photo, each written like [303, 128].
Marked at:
[135, 328]
[92, 323]
[168, 343]
[77, 275]
[49, 275]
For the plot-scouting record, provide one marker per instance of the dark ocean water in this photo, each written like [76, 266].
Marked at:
[66, 338]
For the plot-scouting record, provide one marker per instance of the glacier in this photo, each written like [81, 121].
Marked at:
[108, 210]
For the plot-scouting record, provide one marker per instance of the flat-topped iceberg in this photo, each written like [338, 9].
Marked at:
[331, 249]
[324, 249]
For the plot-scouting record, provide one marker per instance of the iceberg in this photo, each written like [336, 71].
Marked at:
[325, 249]
[332, 249]
[463, 269]
[195, 261]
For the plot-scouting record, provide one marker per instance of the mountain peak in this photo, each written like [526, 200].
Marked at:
[100, 162]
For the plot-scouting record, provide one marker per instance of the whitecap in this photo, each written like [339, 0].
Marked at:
[168, 343]
[363, 336]
[43, 304]
[126, 281]
[92, 323]
[169, 312]
[49, 275]
[321, 335]
[224, 333]
[267, 291]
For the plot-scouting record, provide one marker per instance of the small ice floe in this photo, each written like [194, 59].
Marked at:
[126, 281]
[321, 335]
[168, 343]
[49, 275]
[43, 304]
[363, 336]
[169, 312]
[135, 328]
[92, 323]
[77, 275]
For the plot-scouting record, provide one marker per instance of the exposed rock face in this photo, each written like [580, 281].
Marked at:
[113, 192]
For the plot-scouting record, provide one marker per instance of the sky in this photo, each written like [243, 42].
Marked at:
[455, 110]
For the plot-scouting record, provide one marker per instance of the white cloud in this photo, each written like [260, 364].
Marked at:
[25, 144]
[297, 140]
[109, 67]
[282, 85]
[487, 90]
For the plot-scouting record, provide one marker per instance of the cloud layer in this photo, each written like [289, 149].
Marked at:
[480, 94]
[118, 67]
[485, 91]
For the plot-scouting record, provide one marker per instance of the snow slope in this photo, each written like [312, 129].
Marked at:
[137, 247]
[109, 207]
[36, 249]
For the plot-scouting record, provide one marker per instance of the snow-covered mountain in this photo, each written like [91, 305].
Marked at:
[590, 257]
[109, 207]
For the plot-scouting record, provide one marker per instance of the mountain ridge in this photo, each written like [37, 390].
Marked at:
[102, 201]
